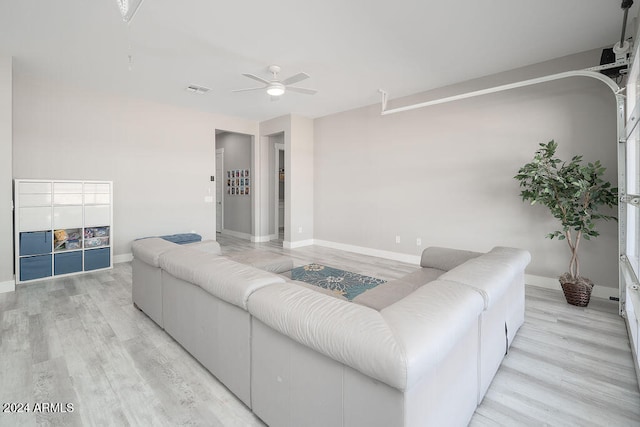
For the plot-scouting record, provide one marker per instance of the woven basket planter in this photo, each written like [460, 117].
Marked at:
[579, 293]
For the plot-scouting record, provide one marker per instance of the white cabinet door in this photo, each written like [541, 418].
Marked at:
[97, 215]
[67, 217]
[97, 198]
[67, 193]
[35, 218]
[97, 187]
[34, 188]
[67, 187]
[42, 199]
[67, 198]
[97, 193]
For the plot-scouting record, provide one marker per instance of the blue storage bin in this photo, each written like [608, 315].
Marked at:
[95, 259]
[35, 267]
[68, 262]
[35, 243]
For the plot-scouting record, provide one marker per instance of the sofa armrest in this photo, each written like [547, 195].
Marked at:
[428, 324]
[149, 250]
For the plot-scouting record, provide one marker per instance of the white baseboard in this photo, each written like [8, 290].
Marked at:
[237, 234]
[122, 258]
[262, 239]
[553, 283]
[396, 256]
[7, 286]
[300, 243]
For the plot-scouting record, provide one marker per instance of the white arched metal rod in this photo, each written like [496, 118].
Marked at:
[620, 119]
[577, 73]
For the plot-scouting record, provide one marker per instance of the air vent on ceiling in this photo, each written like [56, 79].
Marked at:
[197, 89]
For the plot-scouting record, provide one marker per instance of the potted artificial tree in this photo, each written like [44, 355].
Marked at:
[573, 193]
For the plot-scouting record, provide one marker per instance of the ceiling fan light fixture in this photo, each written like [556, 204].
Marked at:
[128, 8]
[275, 89]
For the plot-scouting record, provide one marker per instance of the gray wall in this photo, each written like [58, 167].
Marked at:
[237, 155]
[6, 212]
[299, 179]
[445, 173]
[160, 157]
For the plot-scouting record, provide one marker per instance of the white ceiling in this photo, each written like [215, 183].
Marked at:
[351, 48]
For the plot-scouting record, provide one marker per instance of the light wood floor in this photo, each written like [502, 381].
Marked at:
[79, 340]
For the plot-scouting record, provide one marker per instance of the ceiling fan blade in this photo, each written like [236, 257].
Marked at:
[248, 89]
[295, 79]
[302, 90]
[260, 79]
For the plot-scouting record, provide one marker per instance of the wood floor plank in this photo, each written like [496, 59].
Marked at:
[79, 339]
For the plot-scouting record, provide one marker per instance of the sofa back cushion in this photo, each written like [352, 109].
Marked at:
[233, 282]
[349, 333]
[397, 346]
[210, 246]
[445, 258]
[491, 274]
[183, 262]
[223, 278]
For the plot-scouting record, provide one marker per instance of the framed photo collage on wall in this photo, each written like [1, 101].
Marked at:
[238, 182]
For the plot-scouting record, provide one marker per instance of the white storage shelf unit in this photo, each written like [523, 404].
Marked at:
[62, 227]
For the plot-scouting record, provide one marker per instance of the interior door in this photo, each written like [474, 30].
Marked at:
[279, 191]
[219, 190]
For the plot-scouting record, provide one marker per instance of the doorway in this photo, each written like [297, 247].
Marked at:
[279, 191]
[235, 184]
[220, 190]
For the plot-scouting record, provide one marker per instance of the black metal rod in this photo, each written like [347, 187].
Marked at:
[626, 4]
[624, 27]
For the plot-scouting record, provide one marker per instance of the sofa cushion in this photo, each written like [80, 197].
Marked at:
[183, 262]
[492, 273]
[210, 246]
[423, 276]
[264, 260]
[445, 258]
[231, 281]
[149, 250]
[385, 294]
[319, 289]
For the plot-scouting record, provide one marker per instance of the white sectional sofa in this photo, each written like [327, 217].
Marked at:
[298, 357]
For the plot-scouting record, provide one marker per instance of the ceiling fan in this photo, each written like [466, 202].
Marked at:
[128, 8]
[276, 87]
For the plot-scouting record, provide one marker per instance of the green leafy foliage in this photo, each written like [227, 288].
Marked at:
[573, 192]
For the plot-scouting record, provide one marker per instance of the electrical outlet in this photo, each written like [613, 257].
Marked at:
[418, 242]
[397, 239]
[299, 229]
